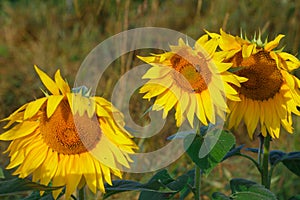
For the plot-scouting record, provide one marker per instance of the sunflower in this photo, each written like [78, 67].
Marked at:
[271, 94]
[192, 81]
[68, 138]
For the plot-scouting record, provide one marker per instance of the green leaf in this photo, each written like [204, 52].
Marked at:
[245, 189]
[35, 195]
[219, 196]
[163, 180]
[17, 185]
[292, 162]
[157, 184]
[233, 152]
[276, 156]
[253, 150]
[225, 140]
[189, 185]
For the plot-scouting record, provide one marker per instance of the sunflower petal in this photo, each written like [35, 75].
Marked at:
[33, 107]
[273, 44]
[52, 103]
[62, 85]
[20, 130]
[47, 81]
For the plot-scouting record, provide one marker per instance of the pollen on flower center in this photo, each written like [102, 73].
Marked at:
[264, 78]
[68, 134]
[194, 70]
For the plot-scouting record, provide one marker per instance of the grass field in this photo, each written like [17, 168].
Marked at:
[58, 34]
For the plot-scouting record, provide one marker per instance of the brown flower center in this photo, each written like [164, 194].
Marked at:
[68, 134]
[194, 69]
[264, 78]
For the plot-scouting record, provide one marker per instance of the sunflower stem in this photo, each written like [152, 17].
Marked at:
[265, 178]
[81, 194]
[197, 183]
[260, 149]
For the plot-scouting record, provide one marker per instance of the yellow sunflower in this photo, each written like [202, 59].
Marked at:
[67, 138]
[192, 81]
[271, 94]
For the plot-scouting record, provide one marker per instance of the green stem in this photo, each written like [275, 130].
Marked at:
[260, 149]
[253, 160]
[81, 194]
[265, 179]
[197, 183]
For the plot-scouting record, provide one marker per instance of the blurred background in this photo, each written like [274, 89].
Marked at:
[58, 34]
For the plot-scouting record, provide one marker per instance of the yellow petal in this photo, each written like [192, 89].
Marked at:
[33, 107]
[89, 171]
[73, 175]
[156, 72]
[18, 117]
[49, 166]
[236, 114]
[104, 153]
[34, 159]
[200, 110]
[20, 130]
[247, 50]
[47, 81]
[99, 179]
[52, 103]
[14, 113]
[62, 85]
[106, 174]
[191, 110]
[228, 42]
[208, 106]
[178, 115]
[148, 59]
[273, 44]
[184, 101]
[16, 159]
[155, 90]
[251, 116]
[202, 40]
[118, 154]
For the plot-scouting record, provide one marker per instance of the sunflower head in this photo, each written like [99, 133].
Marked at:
[192, 80]
[271, 94]
[68, 138]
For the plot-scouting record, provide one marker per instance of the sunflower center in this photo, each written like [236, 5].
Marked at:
[195, 71]
[68, 134]
[264, 78]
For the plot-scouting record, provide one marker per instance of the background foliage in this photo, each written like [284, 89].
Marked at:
[60, 33]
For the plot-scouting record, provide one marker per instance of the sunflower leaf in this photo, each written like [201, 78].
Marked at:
[163, 180]
[16, 185]
[35, 195]
[224, 141]
[292, 162]
[233, 152]
[219, 196]
[276, 156]
[245, 189]
[160, 186]
[156, 184]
